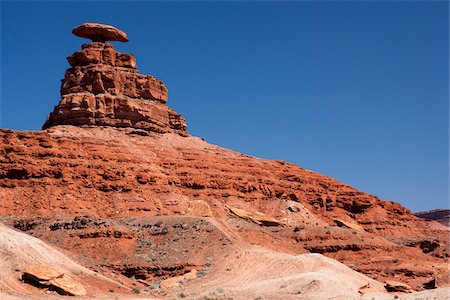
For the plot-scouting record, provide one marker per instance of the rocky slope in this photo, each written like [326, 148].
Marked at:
[115, 173]
[237, 271]
[114, 180]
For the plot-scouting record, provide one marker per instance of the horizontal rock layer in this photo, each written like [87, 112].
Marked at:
[101, 53]
[117, 111]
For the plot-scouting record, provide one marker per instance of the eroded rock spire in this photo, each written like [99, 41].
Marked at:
[104, 88]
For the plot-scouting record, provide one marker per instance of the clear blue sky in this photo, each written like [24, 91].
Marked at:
[354, 90]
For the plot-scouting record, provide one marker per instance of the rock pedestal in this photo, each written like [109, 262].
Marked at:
[104, 88]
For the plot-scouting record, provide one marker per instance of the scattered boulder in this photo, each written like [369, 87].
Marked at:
[39, 273]
[176, 281]
[294, 209]
[199, 208]
[100, 32]
[441, 275]
[257, 217]
[170, 282]
[67, 286]
[395, 286]
[429, 285]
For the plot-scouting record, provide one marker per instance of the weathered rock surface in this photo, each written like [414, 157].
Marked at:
[100, 32]
[104, 88]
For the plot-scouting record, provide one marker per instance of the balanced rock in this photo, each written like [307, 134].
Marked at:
[100, 32]
[104, 88]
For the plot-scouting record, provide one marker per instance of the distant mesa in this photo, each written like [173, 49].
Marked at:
[100, 32]
[104, 88]
[440, 215]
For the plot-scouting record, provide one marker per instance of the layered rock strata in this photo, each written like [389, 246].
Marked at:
[104, 88]
[114, 173]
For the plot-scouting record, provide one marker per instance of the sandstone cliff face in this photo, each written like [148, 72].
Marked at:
[104, 88]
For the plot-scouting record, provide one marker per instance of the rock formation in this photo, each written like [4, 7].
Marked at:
[161, 212]
[47, 276]
[104, 88]
[440, 215]
[100, 32]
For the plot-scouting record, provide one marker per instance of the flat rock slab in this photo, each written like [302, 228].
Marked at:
[255, 217]
[100, 32]
[347, 224]
[68, 286]
[42, 273]
[48, 276]
[395, 286]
